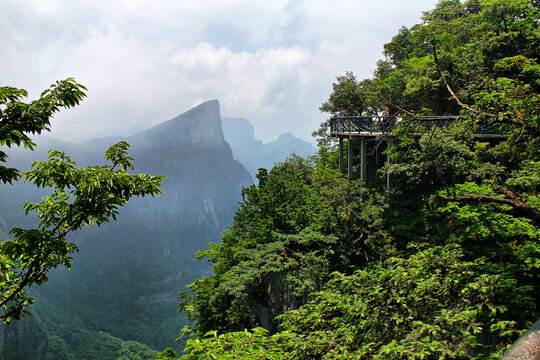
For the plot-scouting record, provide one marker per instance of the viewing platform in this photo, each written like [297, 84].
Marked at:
[384, 125]
[370, 132]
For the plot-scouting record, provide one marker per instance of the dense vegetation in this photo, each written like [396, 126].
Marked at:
[445, 264]
[80, 344]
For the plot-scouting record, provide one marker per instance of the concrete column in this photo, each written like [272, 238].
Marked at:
[363, 158]
[341, 155]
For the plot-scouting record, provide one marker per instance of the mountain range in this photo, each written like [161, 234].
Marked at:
[255, 154]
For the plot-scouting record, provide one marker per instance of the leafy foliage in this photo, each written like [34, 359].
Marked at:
[79, 197]
[346, 96]
[236, 345]
[18, 119]
[431, 305]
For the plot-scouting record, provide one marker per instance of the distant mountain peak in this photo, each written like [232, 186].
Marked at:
[253, 153]
[210, 105]
[286, 135]
[199, 125]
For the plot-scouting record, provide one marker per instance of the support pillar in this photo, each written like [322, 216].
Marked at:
[389, 143]
[363, 158]
[341, 155]
[350, 156]
[377, 152]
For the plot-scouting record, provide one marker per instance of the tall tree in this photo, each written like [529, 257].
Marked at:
[346, 95]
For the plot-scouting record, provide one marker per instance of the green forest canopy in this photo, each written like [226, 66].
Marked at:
[321, 267]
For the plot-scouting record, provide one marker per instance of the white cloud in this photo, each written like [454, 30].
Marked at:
[254, 84]
[145, 61]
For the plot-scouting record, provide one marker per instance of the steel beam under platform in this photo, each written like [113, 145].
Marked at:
[363, 154]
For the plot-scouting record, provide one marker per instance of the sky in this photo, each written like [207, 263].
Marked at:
[145, 62]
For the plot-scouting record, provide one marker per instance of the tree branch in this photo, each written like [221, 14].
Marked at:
[450, 89]
[520, 209]
[29, 276]
[500, 117]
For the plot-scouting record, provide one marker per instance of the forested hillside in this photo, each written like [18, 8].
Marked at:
[444, 264]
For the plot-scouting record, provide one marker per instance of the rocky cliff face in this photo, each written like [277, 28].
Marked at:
[203, 179]
[126, 277]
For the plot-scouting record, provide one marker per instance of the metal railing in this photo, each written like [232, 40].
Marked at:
[370, 124]
[386, 124]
